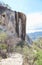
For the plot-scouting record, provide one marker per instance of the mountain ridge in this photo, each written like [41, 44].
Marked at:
[35, 35]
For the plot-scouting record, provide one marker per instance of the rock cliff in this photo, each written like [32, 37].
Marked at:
[12, 22]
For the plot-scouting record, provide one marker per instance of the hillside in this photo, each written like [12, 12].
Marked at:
[31, 55]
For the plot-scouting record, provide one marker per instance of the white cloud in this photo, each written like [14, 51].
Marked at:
[34, 22]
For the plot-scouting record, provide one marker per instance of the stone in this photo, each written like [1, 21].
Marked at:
[13, 21]
[14, 59]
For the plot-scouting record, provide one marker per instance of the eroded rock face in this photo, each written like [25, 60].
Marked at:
[13, 22]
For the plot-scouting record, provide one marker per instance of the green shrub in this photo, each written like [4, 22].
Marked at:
[3, 46]
[39, 60]
[38, 47]
[18, 49]
[3, 36]
[25, 50]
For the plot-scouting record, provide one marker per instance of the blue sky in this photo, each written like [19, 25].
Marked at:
[27, 6]
[32, 9]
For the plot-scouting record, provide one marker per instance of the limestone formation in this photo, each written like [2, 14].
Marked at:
[12, 21]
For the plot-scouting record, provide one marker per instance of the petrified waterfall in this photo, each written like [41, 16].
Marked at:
[15, 22]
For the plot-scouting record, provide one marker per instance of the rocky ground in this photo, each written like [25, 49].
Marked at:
[14, 59]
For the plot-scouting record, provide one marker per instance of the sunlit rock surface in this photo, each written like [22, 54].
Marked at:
[12, 22]
[14, 59]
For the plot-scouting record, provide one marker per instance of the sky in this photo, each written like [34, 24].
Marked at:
[33, 11]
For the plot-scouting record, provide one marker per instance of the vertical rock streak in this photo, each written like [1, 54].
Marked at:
[14, 21]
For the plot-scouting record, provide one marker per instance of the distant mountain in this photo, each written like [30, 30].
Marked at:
[35, 35]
